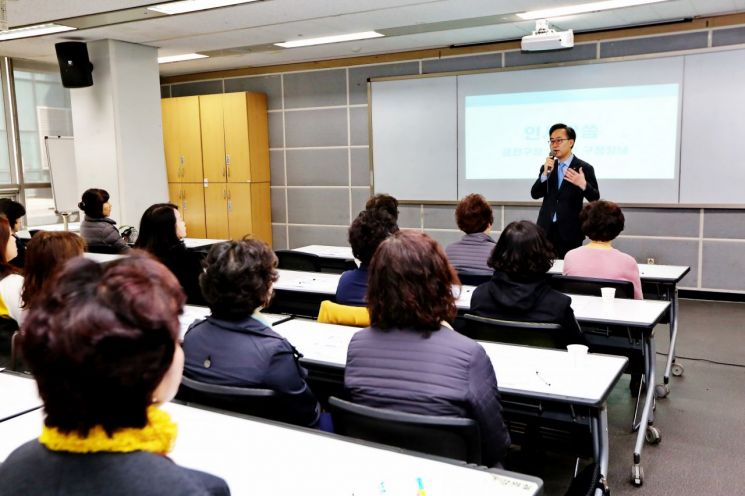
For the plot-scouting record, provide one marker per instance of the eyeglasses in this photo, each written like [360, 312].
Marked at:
[557, 141]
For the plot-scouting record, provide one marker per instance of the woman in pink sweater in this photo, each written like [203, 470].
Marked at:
[602, 221]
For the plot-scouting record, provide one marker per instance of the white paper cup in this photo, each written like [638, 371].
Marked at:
[608, 294]
[577, 354]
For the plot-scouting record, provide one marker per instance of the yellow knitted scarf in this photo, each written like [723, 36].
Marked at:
[158, 436]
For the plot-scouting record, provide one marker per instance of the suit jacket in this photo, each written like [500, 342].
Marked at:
[565, 201]
[444, 374]
[249, 353]
[33, 469]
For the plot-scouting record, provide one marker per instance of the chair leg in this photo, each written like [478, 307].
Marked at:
[13, 350]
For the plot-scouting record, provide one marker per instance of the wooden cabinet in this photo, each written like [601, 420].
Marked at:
[190, 200]
[182, 139]
[233, 138]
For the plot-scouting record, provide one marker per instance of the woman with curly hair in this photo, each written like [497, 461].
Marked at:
[410, 359]
[518, 290]
[475, 218]
[602, 221]
[235, 345]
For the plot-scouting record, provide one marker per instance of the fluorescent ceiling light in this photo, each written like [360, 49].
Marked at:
[194, 5]
[180, 58]
[583, 8]
[330, 39]
[38, 30]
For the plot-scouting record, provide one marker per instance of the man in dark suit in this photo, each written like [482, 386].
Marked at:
[564, 182]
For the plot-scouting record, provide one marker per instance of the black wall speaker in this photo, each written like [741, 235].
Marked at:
[75, 67]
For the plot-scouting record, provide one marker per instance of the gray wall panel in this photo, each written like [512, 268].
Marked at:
[358, 77]
[279, 237]
[318, 206]
[328, 167]
[661, 222]
[729, 224]
[277, 167]
[315, 89]
[723, 265]
[271, 85]
[311, 235]
[279, 209]
[306, 128]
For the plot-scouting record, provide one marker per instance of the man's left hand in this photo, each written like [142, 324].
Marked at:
[576, 177]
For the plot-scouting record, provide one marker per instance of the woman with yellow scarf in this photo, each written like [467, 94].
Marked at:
[102, 343]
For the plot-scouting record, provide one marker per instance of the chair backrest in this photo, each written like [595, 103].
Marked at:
[251, 401]
[451, 437]
[591, 285]
[473, 279]
[335, 313]
[546, 335]
[298, 260]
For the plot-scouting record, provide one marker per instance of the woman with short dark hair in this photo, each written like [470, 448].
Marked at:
[383, 203]
[410, 299]
[11, 282]
[97, 229]
[102, 343]
[14, 211]
[235, 345]
[602, 221]
[367, 231]
[518, 289]
[162, 230]
[474, 217]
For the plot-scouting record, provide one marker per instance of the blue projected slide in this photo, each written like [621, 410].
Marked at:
[627, 132]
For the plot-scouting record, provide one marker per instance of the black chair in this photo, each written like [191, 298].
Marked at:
[450, 437]
[473, 279]
[514, 332]
[105, 249]
[591, 285]
[298, 260]
[250, 401]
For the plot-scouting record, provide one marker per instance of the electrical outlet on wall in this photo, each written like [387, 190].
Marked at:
[650, 260]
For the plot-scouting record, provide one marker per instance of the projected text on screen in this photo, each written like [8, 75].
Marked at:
[626, 132]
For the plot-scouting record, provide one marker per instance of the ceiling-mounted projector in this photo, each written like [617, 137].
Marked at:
[546, 38]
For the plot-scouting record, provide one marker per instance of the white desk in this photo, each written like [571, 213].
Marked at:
[193, 313]
[260, 457]
[17, 395]
[192, 243]
[307, 282]
[103, 257]
[326, 251]
[26, 233]
[521, 371]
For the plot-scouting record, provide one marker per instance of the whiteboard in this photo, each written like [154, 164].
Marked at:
[414, 129]
[61, 161]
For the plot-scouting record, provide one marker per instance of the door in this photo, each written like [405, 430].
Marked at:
[189, 198]
[169, 110]
[190, 139]
[216, 210]
[213, 138]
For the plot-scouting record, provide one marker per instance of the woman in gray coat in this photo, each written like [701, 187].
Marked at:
[410, 359]
[97, 229]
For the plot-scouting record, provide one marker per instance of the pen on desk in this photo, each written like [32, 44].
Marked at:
[421, 491]
[538, 374]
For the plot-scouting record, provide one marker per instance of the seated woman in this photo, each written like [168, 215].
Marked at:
[235, 345]
[367, 231]
[47, 253]
[97, 229]
[518, 289]
[162, 231]
[602, 221]
[475, 218]
[102, 343]
[11, 282]
[14, 211]
[410, 359]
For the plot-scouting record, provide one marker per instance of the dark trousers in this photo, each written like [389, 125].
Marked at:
[561, 246]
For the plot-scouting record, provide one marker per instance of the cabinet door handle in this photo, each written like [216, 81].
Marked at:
[227, 159]
[224, 194]
[230, 205]
[227, 167]
[229, 196]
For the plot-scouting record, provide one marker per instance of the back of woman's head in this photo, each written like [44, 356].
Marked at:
[93, 201]
[522, 250]
[100, 340]
[46, 254]
[367, 231]
[12, 210]
[5, 239]
[158, 229]
[238, 278]
[602, 220]
[383, 202]
[473, 214]
[410, 283]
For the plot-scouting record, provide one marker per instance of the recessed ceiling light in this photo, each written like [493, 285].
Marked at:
[194, 5]
[330, 39]
[37, 30]
[584, 8]
[180, 58]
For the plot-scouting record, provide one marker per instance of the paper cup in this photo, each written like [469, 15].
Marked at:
[577, 354]
[608, 294]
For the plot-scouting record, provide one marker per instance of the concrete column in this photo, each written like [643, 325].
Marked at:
[118, 129]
